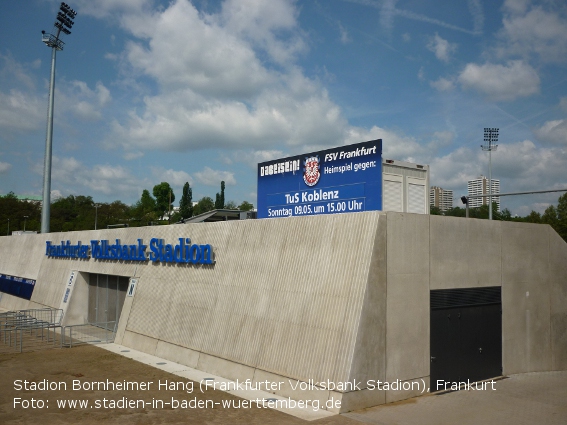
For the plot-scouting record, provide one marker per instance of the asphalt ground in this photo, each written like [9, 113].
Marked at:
[533, 398]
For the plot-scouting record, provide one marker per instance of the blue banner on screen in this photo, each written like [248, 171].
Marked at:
[338, 180]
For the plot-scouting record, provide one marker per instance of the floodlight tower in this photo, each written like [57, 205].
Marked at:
[63, 24]
[490, 136]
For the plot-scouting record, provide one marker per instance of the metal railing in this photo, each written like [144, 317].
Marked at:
[30, 329]
[89, 333]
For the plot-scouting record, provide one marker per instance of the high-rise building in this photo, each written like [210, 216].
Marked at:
[441, 198]
[480, 187]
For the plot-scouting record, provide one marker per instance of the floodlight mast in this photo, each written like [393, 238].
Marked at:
[63, 24]
[490, 135]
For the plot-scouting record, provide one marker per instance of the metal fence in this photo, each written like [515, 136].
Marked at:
[89, 333]
[29, 330]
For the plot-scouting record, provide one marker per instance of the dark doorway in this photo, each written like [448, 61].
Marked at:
[466, 335]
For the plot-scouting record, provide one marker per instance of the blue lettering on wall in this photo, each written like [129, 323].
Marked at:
[182, 252]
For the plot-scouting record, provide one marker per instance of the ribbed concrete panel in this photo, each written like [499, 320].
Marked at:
[21, 255]
[369, 357]
[526, 327]
[407, 341]
[284, 295]
[558, 300]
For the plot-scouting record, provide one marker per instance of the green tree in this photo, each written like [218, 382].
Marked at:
[144, 211]
[63, 214]
[435, 210]
[562, 216]
[204, 205]
[245, 206]
[533, 217]
[456, 212]
[550, 217]
[219, 203]
[505, 215]
[13, 213]
[186, 202]
[230, 205]
[164, 198]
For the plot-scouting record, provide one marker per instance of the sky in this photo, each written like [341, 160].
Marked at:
[201, 91]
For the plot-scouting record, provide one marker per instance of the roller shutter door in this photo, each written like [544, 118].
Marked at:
[393, 198]
[416, 198]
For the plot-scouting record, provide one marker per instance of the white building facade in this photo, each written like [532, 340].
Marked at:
[441, 198]
[479, 186]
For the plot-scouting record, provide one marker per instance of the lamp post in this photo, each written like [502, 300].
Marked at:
[62, 24]
[25, 219]
[490, 136]
[97, 206]
[8, 233]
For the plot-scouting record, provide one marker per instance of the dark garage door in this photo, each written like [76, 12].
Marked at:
[466, 335]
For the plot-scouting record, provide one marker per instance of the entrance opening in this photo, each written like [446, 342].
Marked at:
[466, 336]
[106, 298]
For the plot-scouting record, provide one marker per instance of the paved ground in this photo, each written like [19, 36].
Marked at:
[531, 398]
[537, 398]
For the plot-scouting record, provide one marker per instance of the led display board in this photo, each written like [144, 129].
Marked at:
[338, 180]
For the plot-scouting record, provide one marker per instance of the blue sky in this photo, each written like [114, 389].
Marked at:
[201, 91]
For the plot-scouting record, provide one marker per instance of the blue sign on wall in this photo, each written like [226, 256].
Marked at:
[338, 180]
[17, 286]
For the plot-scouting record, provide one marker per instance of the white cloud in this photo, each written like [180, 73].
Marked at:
[130, 155]
[441, 47]
[18, 72]
[260, 21]
[5, 167]
[394, 146]
[516, 6]
[443, 84]
[535, 32]
[181, 120]
[345, 37]
[21, 111]
[173, 177]
[252, 158]
[499, 82]
[441, 139]
[187, 51]
[529, 167]
[212, 177]
[214, 91]
[109, 8]
[475, 8]
[554, 131]
[81, 101]
[70, 175]
[520, 166]
[455, 169]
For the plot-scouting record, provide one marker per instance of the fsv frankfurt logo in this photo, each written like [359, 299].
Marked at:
[311, 172]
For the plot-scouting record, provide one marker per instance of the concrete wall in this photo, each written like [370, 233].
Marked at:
[407, 331]
[334, 297]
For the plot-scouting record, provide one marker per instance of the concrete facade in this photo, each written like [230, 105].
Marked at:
[333, 298]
